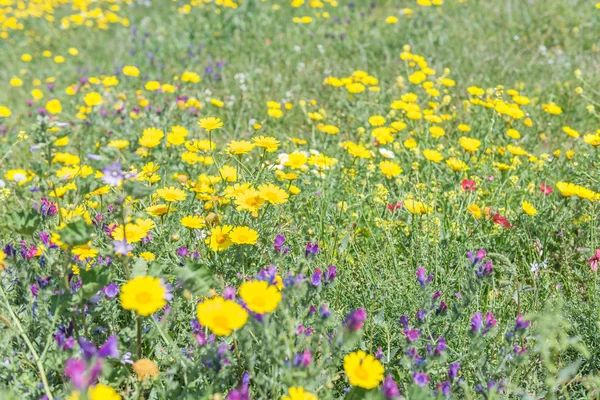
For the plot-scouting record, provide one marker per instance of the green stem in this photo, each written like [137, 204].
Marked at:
[29, 345]
[139, 337]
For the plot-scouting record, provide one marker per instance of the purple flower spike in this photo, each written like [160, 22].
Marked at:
[453, 370]
[312, 249]
[421, 379]
[354, 320]
[390, 388]
[476, 322]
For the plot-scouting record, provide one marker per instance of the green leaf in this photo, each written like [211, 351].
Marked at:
[140, 268]
[92, 281]
[24, 222]
[137, 190]
[76, 233]
[196, 278]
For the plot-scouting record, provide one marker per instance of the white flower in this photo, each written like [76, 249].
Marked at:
[385, 153]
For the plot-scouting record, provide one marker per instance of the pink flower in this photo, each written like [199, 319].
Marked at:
[546, 189]
[593, 261]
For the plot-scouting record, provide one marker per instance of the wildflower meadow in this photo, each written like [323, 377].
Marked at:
[299, 199]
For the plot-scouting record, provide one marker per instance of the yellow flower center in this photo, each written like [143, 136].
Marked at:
[143, 297]
[221, 321]
[221, 238]
[258, 301]
[361, 373]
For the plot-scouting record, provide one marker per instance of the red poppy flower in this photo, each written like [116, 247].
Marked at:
[468, 185]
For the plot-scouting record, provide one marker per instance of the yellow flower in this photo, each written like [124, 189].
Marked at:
[133, 232]
[249, 200]
[53, 107]
[148, 256]
[189, 76]
[376, 120]
[474, 210]
[145, 368]
[470, 145]
[296, 160]
[171, 194]
[433, 155]
[118, 144]
[390, 169]
[552, 109]
[270, 144]
[243, 235]
[210, 123]
[130, 70]
[513, 133]
[143, 294]
[417, 207]
[151, 137]
[192, 222]
[2, 258]
[4, 112]
[570, 131]
[260, 297]
[298, 393]
[363, 370]
[437, 131]
[16, 82]
[273, 194]
[92, 99]
[152, 85]
[528, 208]
[240, 147]
[457, 165]
[221, 316]
[102, 392]
[159, 209]
[219, 238]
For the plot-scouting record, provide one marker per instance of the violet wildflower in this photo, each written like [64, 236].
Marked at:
[404, 321]
[354, 320]
[111, 290]
[110, 349]
[316, 277]
[113, 175]
[453, 370]
[421, 379]
[122, 247]
[476, 322]
[324, 312]
[390, 388]
[312, 249]
[520, 323]
[412, 334]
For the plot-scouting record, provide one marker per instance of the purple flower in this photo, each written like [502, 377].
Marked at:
[88, 348]
[79, 374]
[490, 322]
[303, 359]
[476, 322]
[412, 334]
[453, 370]
[182, 251]
[324, 311]
[278, 242]
[404, 321]
[316, 277]
[312, 248]
[444, 388]
[113, 175]
[110, 349]
[421, 379]
[379, 353]
[122, 247]
[441, 346]
[520, 323]
[390, 388]
[421, 275]
[475, 258]
[34, 290]
[354, 320]
[330, 275]
[111, 290]
[229, 293]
